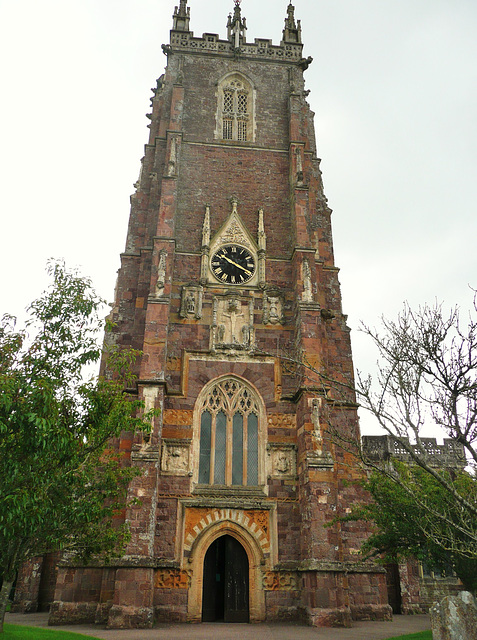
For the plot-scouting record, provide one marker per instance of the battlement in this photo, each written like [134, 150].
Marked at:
[450, 454]
[184, 41]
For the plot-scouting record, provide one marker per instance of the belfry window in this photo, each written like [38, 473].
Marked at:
[235, 109]
[229, 435]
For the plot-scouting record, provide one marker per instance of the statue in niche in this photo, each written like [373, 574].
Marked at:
[221, 332]
[161, 274]
[176, 459]
[190, 302]
[307, 287]
[233, 308]
[299, 168]
[273, 309]
[283, 463]
[171, 169]
[316, 411]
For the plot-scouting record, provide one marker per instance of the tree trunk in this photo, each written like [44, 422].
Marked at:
[4, 593]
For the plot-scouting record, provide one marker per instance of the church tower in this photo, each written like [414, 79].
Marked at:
[226, 284]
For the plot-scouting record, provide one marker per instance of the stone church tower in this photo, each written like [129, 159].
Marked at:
[228, 279]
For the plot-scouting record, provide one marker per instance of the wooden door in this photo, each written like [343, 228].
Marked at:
[225, 594]
[394, 587]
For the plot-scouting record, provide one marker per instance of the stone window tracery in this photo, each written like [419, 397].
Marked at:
[229, 435]
[235, 109]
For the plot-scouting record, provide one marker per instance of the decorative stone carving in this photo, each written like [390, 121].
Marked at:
[299, 167]
[175, 457]
[172, 579]
[232, 325]
[171, 165]
[281, 421]
[161, 274]
[234, 233]
[198, 520]
[262, 247]
[280, 581]
[282, 460]
[191, 302]
[204, 263]
[173, 363]
[179, 417]
[273, 307]
[307, 295]
[449, 454]
[316, 413]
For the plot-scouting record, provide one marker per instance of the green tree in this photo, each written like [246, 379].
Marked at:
[62, 484]
[418, 518]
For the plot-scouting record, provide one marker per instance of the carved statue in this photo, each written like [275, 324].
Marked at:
[161, 274]
[171, 170]
[307, 288]
[299, 167]
[283, 463]
[176, 460]
[190, 302]
[317, 407]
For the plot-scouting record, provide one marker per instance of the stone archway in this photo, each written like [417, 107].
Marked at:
[255, 560]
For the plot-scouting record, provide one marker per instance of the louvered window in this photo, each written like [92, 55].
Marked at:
[235, 109]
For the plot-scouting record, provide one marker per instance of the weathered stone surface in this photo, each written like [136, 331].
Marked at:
[121, 617]
[72, 613]
[455, 618]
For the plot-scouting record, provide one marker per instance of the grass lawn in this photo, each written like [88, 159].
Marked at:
[423, 635]
[17, 632]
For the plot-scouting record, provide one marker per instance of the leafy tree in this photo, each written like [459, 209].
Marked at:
[62, 484]
[412, 524]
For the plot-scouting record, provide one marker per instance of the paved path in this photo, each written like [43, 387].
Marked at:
[206, 631]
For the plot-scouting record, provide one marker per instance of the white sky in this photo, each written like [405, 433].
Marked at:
[394, 88]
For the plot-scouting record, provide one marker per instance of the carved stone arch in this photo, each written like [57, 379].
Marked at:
[256, 567]
[235, 518]
[241, 383]
[236, 98]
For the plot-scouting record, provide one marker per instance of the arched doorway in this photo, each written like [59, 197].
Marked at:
[225, 594]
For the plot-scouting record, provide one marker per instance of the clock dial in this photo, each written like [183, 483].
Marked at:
[233, 264]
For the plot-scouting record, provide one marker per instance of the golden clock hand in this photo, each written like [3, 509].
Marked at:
[249, 273]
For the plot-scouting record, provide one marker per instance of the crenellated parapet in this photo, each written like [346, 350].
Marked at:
[261, 49]
[450, 454]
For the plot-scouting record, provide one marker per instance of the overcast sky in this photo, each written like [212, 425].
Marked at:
[394, 89]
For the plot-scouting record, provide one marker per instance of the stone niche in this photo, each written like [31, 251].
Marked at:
[282, 460]
[232, 326]
[191, 302]
[273, 307]
[175, 459]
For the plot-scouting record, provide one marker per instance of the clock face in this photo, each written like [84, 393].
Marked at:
[233, 264]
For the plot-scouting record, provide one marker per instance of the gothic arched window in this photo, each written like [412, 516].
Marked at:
[235, 109]
[229, 434]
